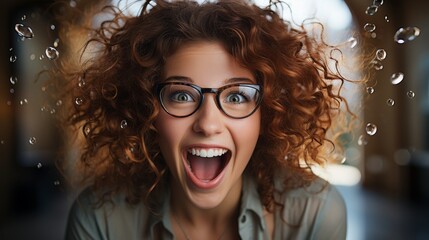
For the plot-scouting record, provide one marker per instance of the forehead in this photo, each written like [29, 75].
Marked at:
[204, 61]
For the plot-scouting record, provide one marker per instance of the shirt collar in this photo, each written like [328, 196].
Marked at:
[250, 201]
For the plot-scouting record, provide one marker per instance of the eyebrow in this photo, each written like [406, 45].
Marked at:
[226, 81]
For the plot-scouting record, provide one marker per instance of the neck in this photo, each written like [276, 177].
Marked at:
[215, 220]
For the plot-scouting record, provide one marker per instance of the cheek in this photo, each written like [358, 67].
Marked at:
[246, 134]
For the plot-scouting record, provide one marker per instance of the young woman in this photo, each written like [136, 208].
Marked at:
[201, 121]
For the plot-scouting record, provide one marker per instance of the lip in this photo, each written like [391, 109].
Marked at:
[192, 180]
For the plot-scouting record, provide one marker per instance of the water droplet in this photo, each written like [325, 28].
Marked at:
[13, 80]
[10, 49]
[24, 31]
[23, 101]
[386, 18]
[73, 3]
[371, 10]
[109, 91]
[23, 17]
[39, 165]
[352, 42]
[411, 94]
[373, 35]
[52, 53]
[371, 129]
[369, 27]
[87, 130]
[78, 101]
[52, 27]
[370, 90]
[390, 102]
[81, 82]
[13, 58]
[56, 183]
[362, 141]
[377, 65]
[124, 124]
[381, 54]
[407, 34]
[396, 78]
[32, 57]
[43, 109]
[377, 3]
[32, 140]
[56, 42]
[59, 103]
[53, 111]
[41, 57]
[43, 89]
[12, 90]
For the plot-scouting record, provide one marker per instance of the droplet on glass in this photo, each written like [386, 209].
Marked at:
[56, 42]
[390, 102]
[78, 101]
[13, 58]
[396, 78]
[369, 27]
[12, 90]
[32, 140]
[24, 31]
[352, 41]
[371, 10]
[373, 35]
[380, 54]
[362, 141]
[407, 34]
[411, 94]
[32, 57]
[377, 3]
[370, 90]
[124, 124]
[23, 17]
[10, 49]
[39, 165]
[23, 101]
[41, 57]
[81, 82]
[386, 18]
[377, 65]
[13, 80]
[59, 103]
[52, 53]
[52, 27]
[109, 91]
[73, 3]
[56, 183]
[371, 129]
[53, 111]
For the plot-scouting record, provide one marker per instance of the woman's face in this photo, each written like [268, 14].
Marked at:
[207, 151]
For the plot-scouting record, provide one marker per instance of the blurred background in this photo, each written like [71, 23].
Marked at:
[384, 172]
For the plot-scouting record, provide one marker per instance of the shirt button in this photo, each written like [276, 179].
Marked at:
[243, 219]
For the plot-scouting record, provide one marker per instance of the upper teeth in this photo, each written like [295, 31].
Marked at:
[211, 152]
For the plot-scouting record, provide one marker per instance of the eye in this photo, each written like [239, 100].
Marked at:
[181, 97]
[236, 98]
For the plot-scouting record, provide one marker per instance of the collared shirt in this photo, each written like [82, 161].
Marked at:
[314, 212]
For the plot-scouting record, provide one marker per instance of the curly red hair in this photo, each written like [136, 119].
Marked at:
[114, 85]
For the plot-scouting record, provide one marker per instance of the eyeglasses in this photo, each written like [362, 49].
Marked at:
[183, 99]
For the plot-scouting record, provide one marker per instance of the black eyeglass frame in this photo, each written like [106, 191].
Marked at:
[216, 91]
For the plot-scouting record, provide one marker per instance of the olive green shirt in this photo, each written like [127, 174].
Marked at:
[314, 212]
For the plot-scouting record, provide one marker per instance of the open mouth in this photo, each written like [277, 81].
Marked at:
[206, 164]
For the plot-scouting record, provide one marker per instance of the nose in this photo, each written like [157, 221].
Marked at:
[209, 117]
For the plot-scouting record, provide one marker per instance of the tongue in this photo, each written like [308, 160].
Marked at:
[205, 168]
